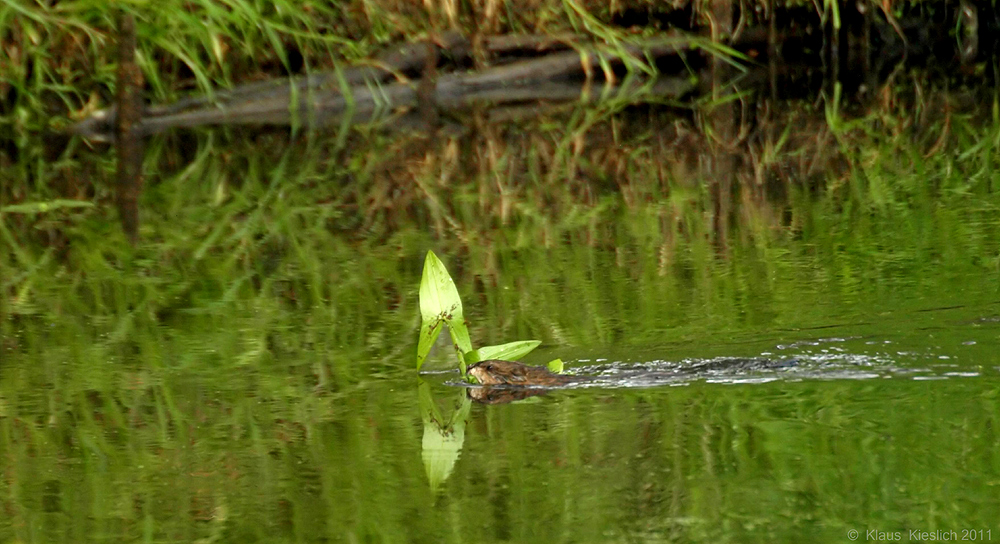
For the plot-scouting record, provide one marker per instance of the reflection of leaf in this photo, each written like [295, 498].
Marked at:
[508, 352]
[442, 443]
[440, 451]
[439, 302]
[428, 410]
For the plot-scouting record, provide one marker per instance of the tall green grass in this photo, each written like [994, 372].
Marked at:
[60, 56]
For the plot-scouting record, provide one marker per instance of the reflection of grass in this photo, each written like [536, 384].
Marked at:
[284, 227]
[208, 379]
[182, 459]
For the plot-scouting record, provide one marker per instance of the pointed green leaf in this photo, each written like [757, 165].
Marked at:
[459, 335]
[438, 295]
[428, 335]
[440, 303]
[471, 357]
[508, 352]
[556, 365]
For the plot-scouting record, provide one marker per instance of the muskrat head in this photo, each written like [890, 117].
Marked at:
[497, 372]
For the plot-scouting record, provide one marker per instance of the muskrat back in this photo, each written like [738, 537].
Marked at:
[499, 372]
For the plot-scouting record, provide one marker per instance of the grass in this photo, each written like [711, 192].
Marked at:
[61, 57]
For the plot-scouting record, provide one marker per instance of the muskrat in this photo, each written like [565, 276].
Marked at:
[507, 381]
[498, 372]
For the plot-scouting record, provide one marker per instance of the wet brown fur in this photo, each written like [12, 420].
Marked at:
[497, 372]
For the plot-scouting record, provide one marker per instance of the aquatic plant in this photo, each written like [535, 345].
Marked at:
[441, 305]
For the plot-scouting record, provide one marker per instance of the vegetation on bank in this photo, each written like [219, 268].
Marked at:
[59, 58]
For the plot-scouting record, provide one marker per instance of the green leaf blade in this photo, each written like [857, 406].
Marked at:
[440, 304]
[428, 335]
[508, 352]
[438, 295]
[555, 365]
[460, 336]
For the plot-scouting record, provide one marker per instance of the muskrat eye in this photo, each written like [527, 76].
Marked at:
[489, 366]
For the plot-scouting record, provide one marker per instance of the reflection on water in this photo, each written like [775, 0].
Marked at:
[760, 462]
[868, 355]
[245, 372]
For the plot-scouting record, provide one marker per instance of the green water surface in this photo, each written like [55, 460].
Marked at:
[246, 372]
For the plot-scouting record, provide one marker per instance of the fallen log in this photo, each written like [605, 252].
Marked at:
[384, 85]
